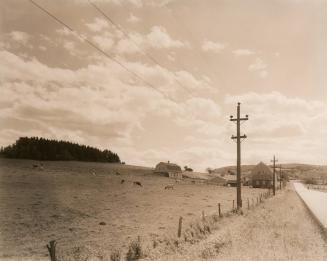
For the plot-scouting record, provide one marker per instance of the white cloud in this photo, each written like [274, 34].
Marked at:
[263, 74]
[19, 37]
[42, 48]
[258, 65]
[62, 31]
[70, 46]
[243, 52]
[96, 104]
[212, 46]
[98, 25]
[159, 38]
[105, 41]
[133, 19]
[136, 3]
[284, 126]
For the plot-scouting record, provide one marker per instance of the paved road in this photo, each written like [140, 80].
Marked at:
[315, 200]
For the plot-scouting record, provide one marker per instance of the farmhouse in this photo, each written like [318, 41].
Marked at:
[168, 169]
[262, 176]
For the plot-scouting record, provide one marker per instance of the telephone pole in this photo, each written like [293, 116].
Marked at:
[238, 138]
[274, 175]
[280, 177]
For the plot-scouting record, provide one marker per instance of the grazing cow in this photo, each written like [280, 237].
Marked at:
[35, 166]
[137, 183]
[169, 187]
[117, 173]
[122, 181]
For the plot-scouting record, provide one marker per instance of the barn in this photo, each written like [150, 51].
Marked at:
[262, 176]
[168, 169]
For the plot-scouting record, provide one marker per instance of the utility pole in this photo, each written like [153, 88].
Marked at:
[280, 177]
[238, 138]
[274, 175]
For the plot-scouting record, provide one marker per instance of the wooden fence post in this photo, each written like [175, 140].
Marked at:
[203, 217]
[179, 233]
[219, 210]
[248, 204]
[52, 250]
[233, 204]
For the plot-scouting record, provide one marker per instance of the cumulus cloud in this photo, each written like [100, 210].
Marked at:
[157, 38]
[96, 104]
[216, 47]
[259, 66]
[243, 52]
[20, 37]
[136, 3]
[133, 19]
[277, 121]
[105, 41]
[98, 25]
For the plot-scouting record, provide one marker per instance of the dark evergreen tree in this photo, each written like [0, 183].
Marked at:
[45, 149]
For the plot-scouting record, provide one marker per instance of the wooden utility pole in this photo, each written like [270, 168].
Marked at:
[274, 175]
[238, 138]
[280, 176]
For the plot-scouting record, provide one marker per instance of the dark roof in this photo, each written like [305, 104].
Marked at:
[261, 172]
[167, 167]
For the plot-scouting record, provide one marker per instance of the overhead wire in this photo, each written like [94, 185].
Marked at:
[150, 57]
[90, 43]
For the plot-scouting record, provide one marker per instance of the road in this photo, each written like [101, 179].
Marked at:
[315, 200]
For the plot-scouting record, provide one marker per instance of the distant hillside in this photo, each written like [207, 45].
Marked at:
[43, 149]
[293, 170]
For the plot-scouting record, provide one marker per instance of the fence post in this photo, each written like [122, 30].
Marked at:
[233, 204]
[219, 210]
[179, 233]
[203, 217]
[248, 204]
[52, 250]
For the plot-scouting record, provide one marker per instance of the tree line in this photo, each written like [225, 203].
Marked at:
[44, 149]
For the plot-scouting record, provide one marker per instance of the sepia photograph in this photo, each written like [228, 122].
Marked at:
[163, 130]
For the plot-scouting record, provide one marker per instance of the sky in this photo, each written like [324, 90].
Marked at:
[176, 71]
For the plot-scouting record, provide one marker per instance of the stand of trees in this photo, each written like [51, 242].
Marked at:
[44, 149]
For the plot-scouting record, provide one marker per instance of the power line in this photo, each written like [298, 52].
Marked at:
[100, 50]
[150, 57]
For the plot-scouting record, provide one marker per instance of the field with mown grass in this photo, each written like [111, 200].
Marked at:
[91, 215]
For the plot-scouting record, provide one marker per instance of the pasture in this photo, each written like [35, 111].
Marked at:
[87, 207]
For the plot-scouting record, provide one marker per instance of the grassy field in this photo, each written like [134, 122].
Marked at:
[279, 229]
[86, 209]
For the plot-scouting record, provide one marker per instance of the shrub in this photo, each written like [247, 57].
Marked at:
[135, 251]
[115, 256]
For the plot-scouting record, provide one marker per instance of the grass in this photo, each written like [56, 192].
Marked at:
[281, 228]
[67, 203]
